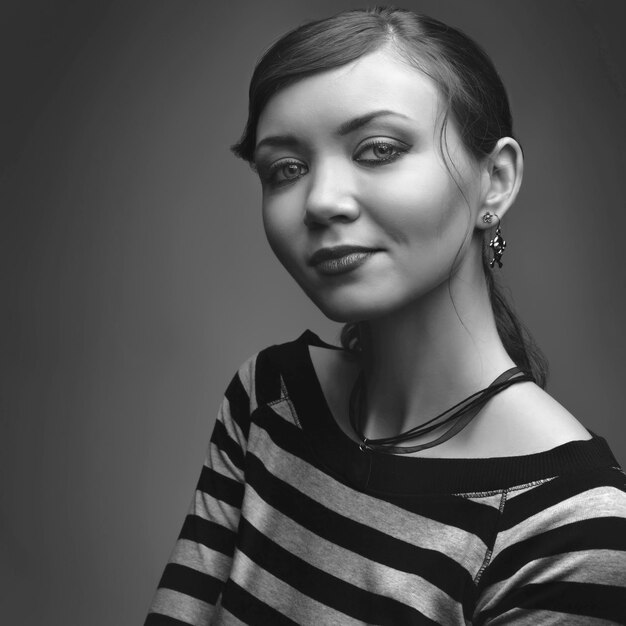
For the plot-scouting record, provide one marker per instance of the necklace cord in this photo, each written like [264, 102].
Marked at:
[461, 414]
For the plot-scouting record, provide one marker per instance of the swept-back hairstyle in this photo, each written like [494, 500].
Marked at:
[472, 94]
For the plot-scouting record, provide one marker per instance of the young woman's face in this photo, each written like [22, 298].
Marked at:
[350, 157]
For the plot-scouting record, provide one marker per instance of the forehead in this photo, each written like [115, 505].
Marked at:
[380, 80]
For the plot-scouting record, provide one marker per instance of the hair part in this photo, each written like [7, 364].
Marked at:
[471, 89]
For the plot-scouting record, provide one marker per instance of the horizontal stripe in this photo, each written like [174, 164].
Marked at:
[238, 404]
[594, 534]
[200, 558]
[217, 460]
[595, 503]
[599, 601]
[320, 490]
[323, 587]
[180, 606]
[228, 446]
[220, 487]
[468, 515]
[349, 566]
[244, 606]
[191, 582]
[308, 547]
[163, 620]
[209, 534]
[206, 507]
[474, 516]
[603, 567]
[539, 617]
[545, 496]
[369, 542]
[284, 598]
[284, 433]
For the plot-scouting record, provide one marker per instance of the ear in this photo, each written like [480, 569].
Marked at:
[502, 177]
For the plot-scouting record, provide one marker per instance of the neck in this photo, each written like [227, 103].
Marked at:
[429, 355]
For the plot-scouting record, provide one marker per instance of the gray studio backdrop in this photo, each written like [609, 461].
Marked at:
[136, 278]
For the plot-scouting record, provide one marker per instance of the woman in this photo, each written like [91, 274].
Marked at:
[421, 474]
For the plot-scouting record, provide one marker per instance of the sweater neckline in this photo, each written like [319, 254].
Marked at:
[384, 473]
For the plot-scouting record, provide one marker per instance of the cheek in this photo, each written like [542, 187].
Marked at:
[418, 206]
[280, 234]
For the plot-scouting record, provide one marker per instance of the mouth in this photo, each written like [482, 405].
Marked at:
[340, 259]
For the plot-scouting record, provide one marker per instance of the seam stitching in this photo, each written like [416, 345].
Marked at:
[484, 494]
[489, 552]
[284, 398]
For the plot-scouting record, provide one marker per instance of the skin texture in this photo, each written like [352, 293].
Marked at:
[334, 189]
[352, 156]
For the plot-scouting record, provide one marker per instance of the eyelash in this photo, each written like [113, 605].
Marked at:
[270, 178]
[399, 150]
[273, 170]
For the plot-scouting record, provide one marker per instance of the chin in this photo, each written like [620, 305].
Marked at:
[346, 312]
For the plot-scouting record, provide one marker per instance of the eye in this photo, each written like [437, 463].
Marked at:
[379, 151]
[284, 172]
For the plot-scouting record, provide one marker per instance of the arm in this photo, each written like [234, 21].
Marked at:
[560, 556]
[201, 560]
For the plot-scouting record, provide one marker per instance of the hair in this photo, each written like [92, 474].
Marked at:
[472, 91]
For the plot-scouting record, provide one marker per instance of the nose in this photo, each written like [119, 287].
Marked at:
[331, 195]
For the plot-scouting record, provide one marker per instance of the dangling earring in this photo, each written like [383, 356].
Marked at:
[497, 244]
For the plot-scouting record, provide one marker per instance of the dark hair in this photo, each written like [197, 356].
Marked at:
[468, 82]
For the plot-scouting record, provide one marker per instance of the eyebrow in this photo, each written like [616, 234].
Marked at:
[290, 141]
[363, 120]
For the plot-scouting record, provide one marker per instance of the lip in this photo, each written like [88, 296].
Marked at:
[340, 259]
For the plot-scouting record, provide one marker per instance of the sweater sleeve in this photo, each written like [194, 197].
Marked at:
[559, 556]
[200, 563]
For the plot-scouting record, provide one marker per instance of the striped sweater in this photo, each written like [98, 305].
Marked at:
[292, 523]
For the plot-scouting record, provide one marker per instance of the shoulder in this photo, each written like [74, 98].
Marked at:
[560, 551]
[261, 377]
[582, 507]
[524, 419]
[521, 420]
[594, 490]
